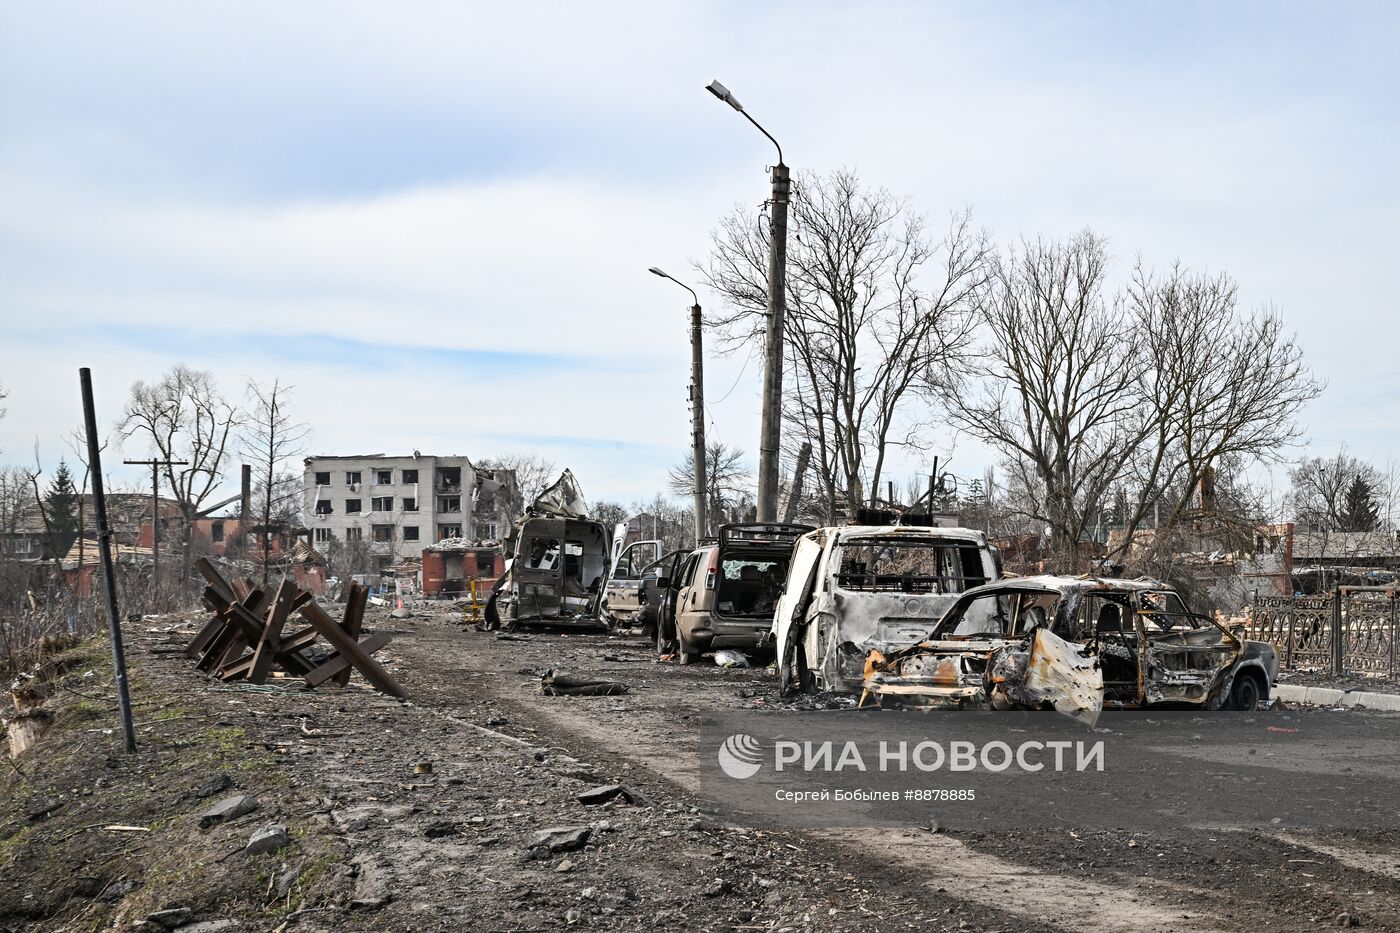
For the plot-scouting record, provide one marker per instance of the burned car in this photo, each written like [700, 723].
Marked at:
[861, 588]
[559, 565]
[1077, 645]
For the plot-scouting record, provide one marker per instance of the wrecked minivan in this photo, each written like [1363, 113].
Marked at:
[559, 565]
[861, 588]
[1077, 645]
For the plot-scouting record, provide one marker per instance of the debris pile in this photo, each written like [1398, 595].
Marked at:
[246, 639]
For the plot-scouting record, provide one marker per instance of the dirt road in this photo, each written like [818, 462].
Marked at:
[423, 815]
[1191, 879]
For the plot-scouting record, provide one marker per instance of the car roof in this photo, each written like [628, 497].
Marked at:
[1065, 585]
[843, 532]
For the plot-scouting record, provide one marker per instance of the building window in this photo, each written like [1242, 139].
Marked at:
[354, 534]
[352, 506]
[216, 532]
[410, 504]
[490, 531]
[449, 531]
[383, 534]
[485, 563]
[352, 478]
[383, 477]
[24, 545]
[449, 503]
[323, 535]
[410, 532]
[323, 479]
[381, 504]
[324, 507]
[382, 563]
[410, 476]
[449, 478]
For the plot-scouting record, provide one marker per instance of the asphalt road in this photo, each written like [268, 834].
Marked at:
[1205, 874]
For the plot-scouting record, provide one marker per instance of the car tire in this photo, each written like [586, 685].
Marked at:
[665, 640]
[1246, 693]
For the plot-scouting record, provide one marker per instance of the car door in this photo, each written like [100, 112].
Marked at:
[689, 597]
[656, 578]
[623, 591]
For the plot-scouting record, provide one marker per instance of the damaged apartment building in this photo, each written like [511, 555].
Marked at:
[397, 506]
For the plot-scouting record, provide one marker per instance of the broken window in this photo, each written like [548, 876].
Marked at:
[490, 533]
[449, 531]
[410, 476]
[352, 478]
[383, 534]
[1004, 613]
[410, 504]
[323, 479]
[352, 506]
[410, 532]
[381, 504]
[449, 478]
[383, 477]
[449, 503]
[216, 532]
[324, 507]
[895, 565]
[749, 585]
[354, 534]
[485, 563]
[323, 535]
[543, 554]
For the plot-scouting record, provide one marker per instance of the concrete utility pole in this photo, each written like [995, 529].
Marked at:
[155, 466]
[770, 429]
[697, 409]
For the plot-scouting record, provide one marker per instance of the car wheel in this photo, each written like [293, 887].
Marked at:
[1245, 693]
[665, 640]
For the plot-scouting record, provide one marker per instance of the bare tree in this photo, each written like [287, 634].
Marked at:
[1096, 397]
[875, 313]
[533, 473]
[728, 482]
[1317, 498]
[271, 440]
[1223, 388]
[1057, 389]
[184, 417]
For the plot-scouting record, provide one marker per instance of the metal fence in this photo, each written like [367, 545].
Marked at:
[1352, 629]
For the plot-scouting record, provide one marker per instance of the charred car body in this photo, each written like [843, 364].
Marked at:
[559, 566]
[856, 589]
[1074, 644]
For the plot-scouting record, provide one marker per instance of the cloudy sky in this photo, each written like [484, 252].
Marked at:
[434, 220]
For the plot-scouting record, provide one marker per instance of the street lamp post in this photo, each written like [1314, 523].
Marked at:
[697, 407]
[770, 429]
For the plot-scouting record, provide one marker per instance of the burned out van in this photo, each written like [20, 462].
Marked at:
[559, 565]
[860, 588]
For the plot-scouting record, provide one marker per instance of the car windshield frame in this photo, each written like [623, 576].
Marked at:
[841, 579]
[947, 625]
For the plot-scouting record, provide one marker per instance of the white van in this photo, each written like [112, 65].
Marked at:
[858, 588]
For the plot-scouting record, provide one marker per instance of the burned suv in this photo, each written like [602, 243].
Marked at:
[1078, 645]
[861, 588]
[723, 593]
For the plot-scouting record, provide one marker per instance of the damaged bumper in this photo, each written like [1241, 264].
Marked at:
[1038, 673]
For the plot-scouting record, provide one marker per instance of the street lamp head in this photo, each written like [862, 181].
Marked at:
[655, 271]
[722, 92]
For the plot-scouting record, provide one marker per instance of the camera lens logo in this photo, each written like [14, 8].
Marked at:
[740, 756]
